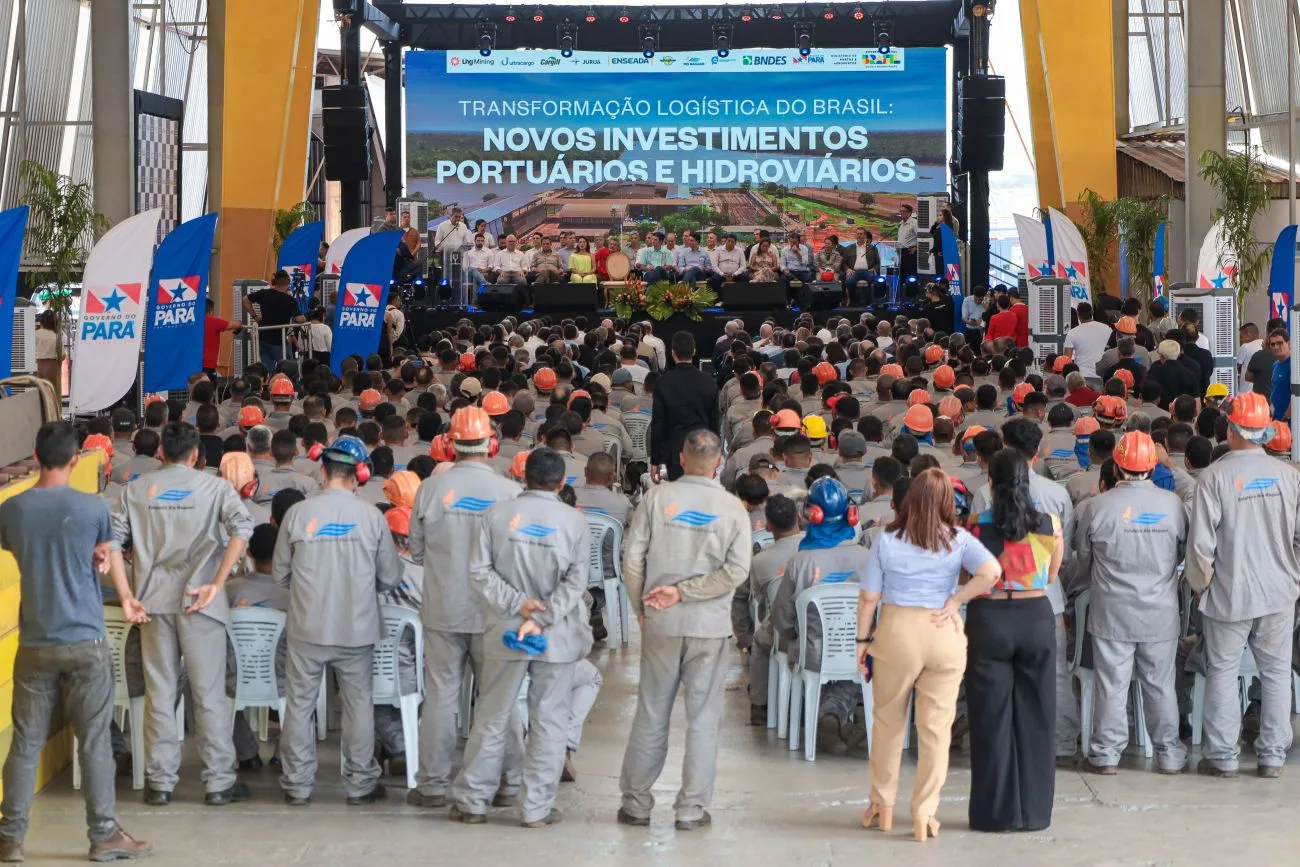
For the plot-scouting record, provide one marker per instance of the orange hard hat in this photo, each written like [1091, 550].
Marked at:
[1281, 441]
[154, 398]
[825, 372]
[495, 403]
[1135, 452]
[400, 488]
[786, 419]
[98, 441]
[945, 376]
[282, 387]
[1110, 407]
[1018, 394]
[1086, 426]
[518, 463]
[466, 363]
[369, 399]
[399, 519]
[933, 353]
[470, 423]
[970, 432]
[544, 379]
[581, 392]
[894, 370]
[918, 396]
[1250, 410]
[1124, 376]
[950, 407]
[1059, 364]
[1127, 325]
[919, 419]
[250, 416]
[440, 449]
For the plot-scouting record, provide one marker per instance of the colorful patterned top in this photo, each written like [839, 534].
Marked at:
[1025, 563]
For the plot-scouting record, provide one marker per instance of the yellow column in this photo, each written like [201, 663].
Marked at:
[1040, 115]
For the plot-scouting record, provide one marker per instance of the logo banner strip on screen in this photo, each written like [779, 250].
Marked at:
[362, 297]
[178, 293]
[13, 225]
[739, 60]
[113, 305]
[299, 253]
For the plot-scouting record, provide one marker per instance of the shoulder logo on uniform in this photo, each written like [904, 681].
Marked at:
[331, 530]
[837, 578]
[1257, 485]
[171, 495]
[465, 504]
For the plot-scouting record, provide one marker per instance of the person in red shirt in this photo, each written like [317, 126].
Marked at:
[1004, 322]
[1079, 394]
[213, 328]
[1021, 309]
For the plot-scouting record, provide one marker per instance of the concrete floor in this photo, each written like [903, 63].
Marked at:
[771, 808]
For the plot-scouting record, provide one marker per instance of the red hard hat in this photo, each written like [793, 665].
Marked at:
[577, 394]
[970, 432]
[1110, 407]
[440, 449]
[933, 353]
[399, 520]
[1250, 410]
[517, 464]
[1086, 426]
[282, 387]
[470, 423]
[1018, 394]
[1281, 441]
[250, 416]
[495, 403]
[827, 276]
[544, 379]
[1124, 376]
[945, 376]
[466, 363]
[919, 419]
[786, 419]
[894, 370]
[1136, 452]
[917, 397]
[825, 372]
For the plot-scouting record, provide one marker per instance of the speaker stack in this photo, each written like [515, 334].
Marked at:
[347, 133]
[981, 123]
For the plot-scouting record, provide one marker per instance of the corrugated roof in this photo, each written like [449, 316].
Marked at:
[493, 210]
[1167, 154]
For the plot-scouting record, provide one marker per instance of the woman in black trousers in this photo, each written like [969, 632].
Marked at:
[1011, 660]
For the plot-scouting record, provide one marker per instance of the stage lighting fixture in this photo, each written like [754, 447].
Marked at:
[568, 36]
[777, 14]
[884, 42]
[510, 15]
[538, 16]
[487, 37]
[722, 39]
[649, 34]
[858, 14]
[803, 38]
[591, 15]
[746, 15]
[623, 16]
[828, 14]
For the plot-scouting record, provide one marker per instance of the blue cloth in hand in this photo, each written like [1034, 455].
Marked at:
[533, 645]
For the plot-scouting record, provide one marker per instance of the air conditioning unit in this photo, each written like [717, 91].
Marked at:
[244, 348]
[329, 291]
[419, 211]
[927, 211]
[1049, 315]
[24, 346]
[1216, 318]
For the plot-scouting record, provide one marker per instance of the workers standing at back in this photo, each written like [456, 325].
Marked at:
[445, 525]
[1131, 541]
[529, 572]
[688, 549]
[335, 553]
[186, 530]
[1241, 558]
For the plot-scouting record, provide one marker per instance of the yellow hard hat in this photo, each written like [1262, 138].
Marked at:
[1216, 389]
[815, 427]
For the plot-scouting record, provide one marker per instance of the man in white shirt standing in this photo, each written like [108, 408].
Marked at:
[1251, 343]
[452, 234]
[907, 243]
[1085, 343]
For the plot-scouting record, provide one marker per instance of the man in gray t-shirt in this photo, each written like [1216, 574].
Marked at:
[60, 538]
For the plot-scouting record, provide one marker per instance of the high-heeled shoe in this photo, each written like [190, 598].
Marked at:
[878, 816]
[925, 827]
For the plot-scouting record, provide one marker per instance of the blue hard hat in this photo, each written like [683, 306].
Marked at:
[831, 497]
[346, 450]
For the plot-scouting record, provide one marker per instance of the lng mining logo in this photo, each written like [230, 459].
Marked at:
[176, 301]
[109, 312]
[360, 305]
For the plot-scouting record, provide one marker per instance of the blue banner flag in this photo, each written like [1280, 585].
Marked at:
[13, 225]
[952, 273]
[299, 254]
[178, 294]
[1282, 274]
[1158, 264]
[363, 295]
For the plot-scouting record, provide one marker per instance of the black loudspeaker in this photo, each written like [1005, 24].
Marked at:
[565, 296]
[822, 296]
[753, 296]
[345, 118]
[498, 296]
[981, 123]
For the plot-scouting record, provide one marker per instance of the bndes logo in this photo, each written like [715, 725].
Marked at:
[763, 60]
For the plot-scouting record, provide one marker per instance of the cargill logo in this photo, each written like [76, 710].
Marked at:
[171, 495]
[837, 577]
[465, 504]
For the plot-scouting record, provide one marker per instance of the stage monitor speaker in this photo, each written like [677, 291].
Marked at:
[877, 292]
[753, 296]
[565, 296]
[498, 296]
[823, 296]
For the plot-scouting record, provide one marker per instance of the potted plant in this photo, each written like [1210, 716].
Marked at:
[61, 229]
[1100, 231]
[288, 219]
[631, 300]
[1138, 221]
[1239, 179]
[667, 298]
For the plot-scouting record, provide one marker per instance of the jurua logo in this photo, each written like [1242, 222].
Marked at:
[177, 300]
[360, 305]
[108, 312]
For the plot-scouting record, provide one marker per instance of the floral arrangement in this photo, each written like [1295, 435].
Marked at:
[631, 299]
[667, 298]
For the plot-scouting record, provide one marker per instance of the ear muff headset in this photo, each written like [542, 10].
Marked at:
[249, 490]
[314, 453]
[814, 514]
[317, 451]
[852, 516]
[494, 446]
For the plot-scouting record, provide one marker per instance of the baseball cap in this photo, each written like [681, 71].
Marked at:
[621, 376]
[471, 387]
[761, 462]
[852, 444]
[602, 380]
[123, 419]
[251, 416]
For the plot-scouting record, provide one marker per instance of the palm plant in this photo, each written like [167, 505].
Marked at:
[288, 219]
[61, 228]
[1100, 230]
[1239, 179]
[1138, 221]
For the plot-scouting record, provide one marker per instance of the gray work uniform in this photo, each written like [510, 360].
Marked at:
[335, 554]
[1083, 484]
[855, 473]
[445, 522]
[283, 478]
[842, 564]
[740, 416]
[790, 481]
[875, 511]
[575, 467]
[132, 468]
[530, 547]
[738, 462]
[1056, 457]
[612, 426]
[1242, 557]
[588, 442]
[176, 521]
[1129, 542]
[402, 455]
[767, 566]
[692, 534]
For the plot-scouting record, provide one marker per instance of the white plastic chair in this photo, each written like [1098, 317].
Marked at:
[255, 634]
[1087, 685]
[779, 676]
[837, 608]
[388, 683]
[117, 629]
[637, 425]
[598, 525]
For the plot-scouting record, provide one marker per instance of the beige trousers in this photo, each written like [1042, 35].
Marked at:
[910, 653]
